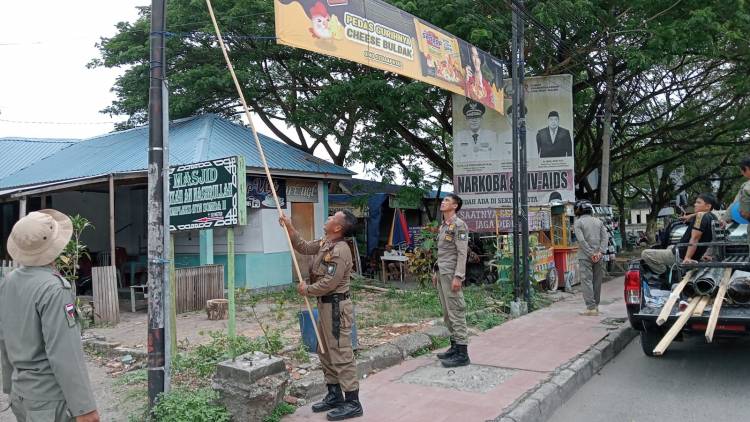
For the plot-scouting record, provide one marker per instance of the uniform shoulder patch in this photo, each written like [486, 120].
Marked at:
[331, 268]
[70, 314]
[462, 235]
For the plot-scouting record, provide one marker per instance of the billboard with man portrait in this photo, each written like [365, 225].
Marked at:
[482, 148]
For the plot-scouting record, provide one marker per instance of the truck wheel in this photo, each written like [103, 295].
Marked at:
[650, 337]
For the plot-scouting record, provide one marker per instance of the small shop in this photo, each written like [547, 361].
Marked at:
[103, 179]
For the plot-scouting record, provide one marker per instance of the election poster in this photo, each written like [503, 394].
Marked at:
[482, 147]
[377, 34]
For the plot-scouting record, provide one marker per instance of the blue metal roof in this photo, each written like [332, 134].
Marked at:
[194, 139]
[19, 153]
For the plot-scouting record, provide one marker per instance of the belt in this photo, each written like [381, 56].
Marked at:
[335, 297]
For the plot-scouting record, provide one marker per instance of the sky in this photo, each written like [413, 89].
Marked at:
[45, 46]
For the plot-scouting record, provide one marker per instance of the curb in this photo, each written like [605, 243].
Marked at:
[539, 404]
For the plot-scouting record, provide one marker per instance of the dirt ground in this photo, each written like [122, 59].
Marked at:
[111, 406]
[377, 319]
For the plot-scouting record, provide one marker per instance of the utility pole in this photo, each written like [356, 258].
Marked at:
[520, 168]
[607, 133]
[515, 185]
[156, 229]
[523, 170]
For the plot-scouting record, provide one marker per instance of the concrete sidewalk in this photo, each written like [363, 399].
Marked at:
[508, 362]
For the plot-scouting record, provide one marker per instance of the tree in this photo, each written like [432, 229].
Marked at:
[679, 71]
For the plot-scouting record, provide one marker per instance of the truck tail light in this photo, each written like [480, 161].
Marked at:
[633, 287]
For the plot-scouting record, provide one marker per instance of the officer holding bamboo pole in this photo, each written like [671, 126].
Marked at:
[330, 274]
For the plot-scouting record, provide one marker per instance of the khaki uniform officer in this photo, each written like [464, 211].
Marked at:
[43, 365]
[330, 274]
[453, 245]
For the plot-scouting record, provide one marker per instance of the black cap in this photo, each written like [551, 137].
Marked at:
[473, 109]
[553, 114]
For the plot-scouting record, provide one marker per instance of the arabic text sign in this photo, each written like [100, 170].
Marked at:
[207, 194]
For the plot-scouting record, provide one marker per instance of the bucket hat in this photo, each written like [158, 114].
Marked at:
[38, 238]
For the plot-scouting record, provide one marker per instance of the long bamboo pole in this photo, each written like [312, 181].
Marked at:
[321, 348]
[677, 327]
[666, 310]
[718, 302]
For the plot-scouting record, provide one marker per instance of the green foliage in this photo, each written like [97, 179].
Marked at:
[201, 362]
[440, 342]
[485, 320]
[139, 376]
[67, 262]
[301, 354]
[422, 262]
[279, 412]
[190, 406]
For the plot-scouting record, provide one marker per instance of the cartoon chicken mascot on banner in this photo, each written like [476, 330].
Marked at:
[325, 26]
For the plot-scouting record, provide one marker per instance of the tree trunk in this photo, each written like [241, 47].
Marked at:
[651, 227]
[217, 309]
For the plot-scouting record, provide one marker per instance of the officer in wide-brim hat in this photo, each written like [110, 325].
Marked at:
[43, 365]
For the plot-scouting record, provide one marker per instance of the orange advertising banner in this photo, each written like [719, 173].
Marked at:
[377, 34]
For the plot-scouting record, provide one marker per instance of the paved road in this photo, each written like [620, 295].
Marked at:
[693, 381]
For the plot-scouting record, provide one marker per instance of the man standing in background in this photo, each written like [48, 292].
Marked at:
[592, 245]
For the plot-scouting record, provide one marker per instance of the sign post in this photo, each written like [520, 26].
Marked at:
[206, 195]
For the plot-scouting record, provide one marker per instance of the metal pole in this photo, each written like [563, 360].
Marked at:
[156, 261]
[515, 184]
[607, 132]
[230, 282]
[523, 168]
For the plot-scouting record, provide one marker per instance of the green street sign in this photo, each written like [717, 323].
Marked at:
[208, 194]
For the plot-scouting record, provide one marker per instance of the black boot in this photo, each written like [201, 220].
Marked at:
[448, 353]
[351, 408]
[460, 358]
[332, 400]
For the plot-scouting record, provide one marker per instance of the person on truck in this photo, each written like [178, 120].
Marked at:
[592, 240]
[699, 231]
[743, 196]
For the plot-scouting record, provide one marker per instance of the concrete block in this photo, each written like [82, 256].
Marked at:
[100, 346]
[136, 353]
[250, 367]
[410, 343]
[566, 381]
[310, 386]
[526, 411]
[621, 337]
[595, 356]
[438, 331]
[607, 350]
[251, 386]
[583, 369]
[381, 357]
[548, 396]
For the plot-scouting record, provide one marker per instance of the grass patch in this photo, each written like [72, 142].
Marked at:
[139, 376]
[440, 342]
[196, 406]
[201, 362]
[279, 412]
[485, 320]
